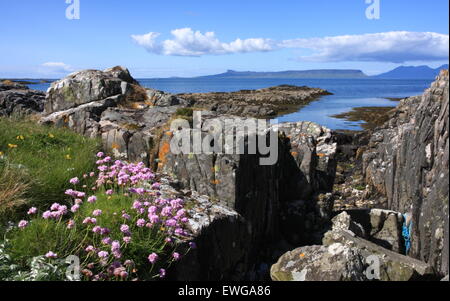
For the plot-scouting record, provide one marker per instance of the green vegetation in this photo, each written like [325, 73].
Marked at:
[36, 163]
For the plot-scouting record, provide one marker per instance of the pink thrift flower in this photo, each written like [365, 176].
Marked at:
[137, 205]
[92, 199]
[109, 192]
[22, 224]
[80, 194]
[47, 215]
[162, 273]
[97, 229]
[75, 208]
[176, 256]
[115, 245]
[153, 258]
[103, 254]
[152, 210]
[127, 239]
[140, 222]
[171, 222]
[55, 206]
[97, 212]
[50, 254]
[32, 210]
[90, 249]
[126, 216]
[100, 155]
[154, 219]
[74, 181]
[106, 240]
[124, 228]
[70, 224]
[193, 245]
[105, 231]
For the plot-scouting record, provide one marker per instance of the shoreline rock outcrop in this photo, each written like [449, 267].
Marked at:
[17, 99]
[261, 103]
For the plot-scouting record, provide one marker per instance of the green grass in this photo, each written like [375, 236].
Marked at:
[43, 157]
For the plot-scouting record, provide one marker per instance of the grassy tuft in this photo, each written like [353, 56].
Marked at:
[37, 161]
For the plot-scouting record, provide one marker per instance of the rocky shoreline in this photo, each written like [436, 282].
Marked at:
[245, 216]
[262, 103]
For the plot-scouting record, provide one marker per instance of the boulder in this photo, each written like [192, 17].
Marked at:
[164, 99]
[344, 222]
[92, 85]
[386, 229]
[392, 266]
[336, 262]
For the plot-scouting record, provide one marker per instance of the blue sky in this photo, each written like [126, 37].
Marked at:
[37, 40]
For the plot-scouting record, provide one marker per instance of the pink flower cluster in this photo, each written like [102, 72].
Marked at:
[122, 174]
[56, 211]
[147, 212]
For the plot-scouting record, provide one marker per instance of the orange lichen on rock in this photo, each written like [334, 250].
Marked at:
[163, 151]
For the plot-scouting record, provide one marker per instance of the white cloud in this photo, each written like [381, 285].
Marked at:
[186, 42]
[395, 46]
[57, 67]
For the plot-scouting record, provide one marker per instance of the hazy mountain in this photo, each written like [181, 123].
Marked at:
[411, 72]
[324, 73]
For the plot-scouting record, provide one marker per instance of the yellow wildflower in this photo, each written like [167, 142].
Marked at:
[68, 157]
[12, 145]
[51, 135]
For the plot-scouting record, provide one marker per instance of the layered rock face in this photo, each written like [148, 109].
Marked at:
[269, 197]
[17, 99]
[407, 162]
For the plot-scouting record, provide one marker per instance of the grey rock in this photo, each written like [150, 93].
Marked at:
[386, 229]
[17, 99]
[407, 162]
[392, 266]
[344, 222]
[320, 263]
[163, 99]
[92, 85]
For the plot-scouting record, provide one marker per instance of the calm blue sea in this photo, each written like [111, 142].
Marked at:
[348, 94]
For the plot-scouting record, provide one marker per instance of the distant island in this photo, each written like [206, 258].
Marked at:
[320, 73]
[402, 72]
[412, 72]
